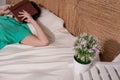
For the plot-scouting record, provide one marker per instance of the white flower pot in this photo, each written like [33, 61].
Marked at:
[79, 68]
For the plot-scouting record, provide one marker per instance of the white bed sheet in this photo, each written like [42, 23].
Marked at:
[36, 64]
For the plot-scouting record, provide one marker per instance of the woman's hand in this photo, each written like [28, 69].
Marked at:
[26, 16]
[5, 10]
[1, 11]
[7, 7]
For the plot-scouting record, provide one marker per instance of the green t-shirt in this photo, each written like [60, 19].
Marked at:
[12, 31]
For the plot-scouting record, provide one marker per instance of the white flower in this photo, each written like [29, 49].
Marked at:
[84, 43]
[90, 50]
[95, 46]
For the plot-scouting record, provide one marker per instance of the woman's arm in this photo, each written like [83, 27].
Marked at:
[5, 10]
[1, 12]
[39, 40]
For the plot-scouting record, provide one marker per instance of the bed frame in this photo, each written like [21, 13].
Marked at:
[98, 17]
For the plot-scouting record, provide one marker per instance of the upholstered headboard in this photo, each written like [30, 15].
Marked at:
[98, 17]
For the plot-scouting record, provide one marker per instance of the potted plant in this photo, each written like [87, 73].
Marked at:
[86, 47]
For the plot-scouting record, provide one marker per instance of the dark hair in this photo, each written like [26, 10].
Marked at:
[38, 10]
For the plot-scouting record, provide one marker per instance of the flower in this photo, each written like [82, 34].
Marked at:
[86, 46]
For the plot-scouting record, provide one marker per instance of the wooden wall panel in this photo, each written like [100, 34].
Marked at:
[98, 17]
[102, 19]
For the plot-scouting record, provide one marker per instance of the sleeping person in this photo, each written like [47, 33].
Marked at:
[12, 31]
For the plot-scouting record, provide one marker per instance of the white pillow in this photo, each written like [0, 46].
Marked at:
[63, 39]
[49, 22]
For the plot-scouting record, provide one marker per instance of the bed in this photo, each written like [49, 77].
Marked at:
[53, 62]
[97, 17]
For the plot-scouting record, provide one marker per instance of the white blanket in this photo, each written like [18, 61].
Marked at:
[20, 62]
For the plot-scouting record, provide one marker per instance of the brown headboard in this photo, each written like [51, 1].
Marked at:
[98, 17]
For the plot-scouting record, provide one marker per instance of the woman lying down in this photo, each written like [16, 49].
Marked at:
[12, 31]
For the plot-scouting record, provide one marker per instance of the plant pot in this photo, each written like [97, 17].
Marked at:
[80, 68]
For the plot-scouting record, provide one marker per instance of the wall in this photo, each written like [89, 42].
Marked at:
[101, 18]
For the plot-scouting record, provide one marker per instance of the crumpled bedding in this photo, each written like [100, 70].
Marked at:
[53, 62]
[21, 62]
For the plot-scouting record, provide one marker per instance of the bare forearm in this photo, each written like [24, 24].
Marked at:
[1, 12]
[40, 39]
[40, 34]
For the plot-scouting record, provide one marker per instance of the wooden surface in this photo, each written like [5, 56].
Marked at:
[98, 17]
[102, 71]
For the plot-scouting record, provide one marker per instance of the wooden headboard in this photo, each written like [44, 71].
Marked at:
[98, 17]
